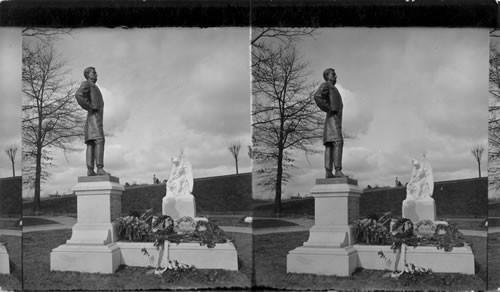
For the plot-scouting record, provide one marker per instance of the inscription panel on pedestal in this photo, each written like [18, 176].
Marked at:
[353, 209]
[116, 206]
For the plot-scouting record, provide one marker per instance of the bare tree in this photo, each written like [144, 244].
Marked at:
[477, 151]
[51, 118]
[11, 152]
[284, 117]
[267, 44]
[234, 148]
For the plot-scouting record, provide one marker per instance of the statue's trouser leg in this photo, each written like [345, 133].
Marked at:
[99, 149]
[90, 157]
[338, 147]
[329, 159]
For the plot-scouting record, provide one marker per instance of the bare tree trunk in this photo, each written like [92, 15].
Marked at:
[38, 175]
[236, 160]
[479, 167]
[279, 180]
[13, 168]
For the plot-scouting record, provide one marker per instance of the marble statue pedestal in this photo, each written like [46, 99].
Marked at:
[92, 247]
[4, 260]
[329, 249]
[177, 207]
[417, 210]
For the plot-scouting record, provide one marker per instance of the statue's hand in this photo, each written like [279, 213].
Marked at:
[95, 108]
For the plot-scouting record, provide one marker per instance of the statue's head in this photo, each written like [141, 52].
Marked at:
[415, 163]
[176, 160]
[330, 75]
[90, 73]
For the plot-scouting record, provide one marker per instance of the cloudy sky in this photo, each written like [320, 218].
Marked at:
[406, 91]
[165, 89]
[10, 98]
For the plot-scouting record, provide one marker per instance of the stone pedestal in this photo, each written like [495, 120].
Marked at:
[459, 260]
[177, 207]
[417, 210]
[329, 251]
[92, 246]
[4, 260]
[222, 256]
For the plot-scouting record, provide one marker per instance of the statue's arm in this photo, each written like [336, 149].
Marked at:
[81, 96]
[321, 98]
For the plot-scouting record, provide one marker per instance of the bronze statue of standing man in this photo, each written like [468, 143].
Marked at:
[89, 97]
[328, 99]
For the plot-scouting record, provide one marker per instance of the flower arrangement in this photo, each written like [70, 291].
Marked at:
[425, 228]
[149, 227]
[375, 230]
[158, 228]
[133, 229]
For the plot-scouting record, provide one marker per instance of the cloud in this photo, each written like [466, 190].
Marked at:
[357, 114]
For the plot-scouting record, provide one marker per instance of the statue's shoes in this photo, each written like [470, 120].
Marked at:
[329, 174]
[91, 172]
[101, 171]
[339, 173]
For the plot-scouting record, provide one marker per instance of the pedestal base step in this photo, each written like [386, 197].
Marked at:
[343, 261]
[322, 261]
[458, 260]
[4, 260]
[85, 258]
[222, 256]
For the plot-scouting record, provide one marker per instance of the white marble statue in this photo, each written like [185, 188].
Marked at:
[180, 181]
[421, 184]
[179, 200]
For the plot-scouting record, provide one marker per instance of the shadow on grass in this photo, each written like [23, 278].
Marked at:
[270, 253]
[34, 221]
[37, 274]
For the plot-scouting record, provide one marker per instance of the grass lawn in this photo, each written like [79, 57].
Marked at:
[10, 224]
[12, 281]
[494, 209]
[494, 222]
[493, 260]
[270, 261]
[37, 274]
[256, 224]
[33, 221]
[476, 224]
[228, 221]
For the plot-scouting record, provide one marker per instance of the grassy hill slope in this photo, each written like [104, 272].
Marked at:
[221, 194]
[11, 196]
[457, 198]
